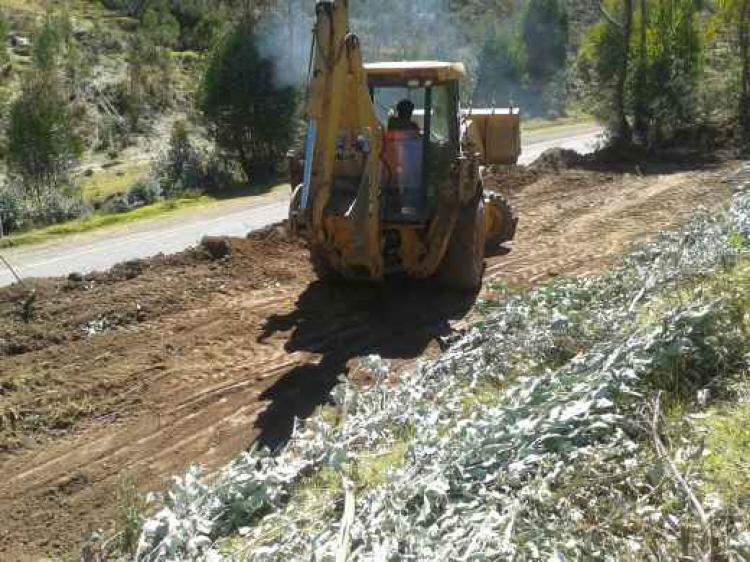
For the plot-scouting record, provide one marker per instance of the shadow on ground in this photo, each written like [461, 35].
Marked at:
[398, 320]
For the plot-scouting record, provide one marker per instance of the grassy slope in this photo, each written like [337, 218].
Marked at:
[98, 220]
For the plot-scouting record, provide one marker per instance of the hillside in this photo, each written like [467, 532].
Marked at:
[118, 146]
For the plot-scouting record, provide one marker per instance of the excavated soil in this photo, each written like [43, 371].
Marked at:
[137, 373]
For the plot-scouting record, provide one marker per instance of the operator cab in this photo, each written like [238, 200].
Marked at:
[415, 159]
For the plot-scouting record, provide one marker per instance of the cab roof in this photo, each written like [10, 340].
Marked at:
[397, 73]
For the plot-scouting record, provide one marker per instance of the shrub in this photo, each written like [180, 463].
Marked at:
[20, 212]
[144, 193]
[181, 167]
[4, 29]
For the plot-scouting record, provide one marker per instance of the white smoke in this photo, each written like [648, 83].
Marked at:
[389, 30]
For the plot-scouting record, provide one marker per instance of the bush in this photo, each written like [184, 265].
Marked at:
[20, 212]
[181, 167]
[144, 193]
[249, 115]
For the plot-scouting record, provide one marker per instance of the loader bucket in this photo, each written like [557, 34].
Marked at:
[495, 133]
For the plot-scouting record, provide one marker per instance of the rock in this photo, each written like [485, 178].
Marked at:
[19, 41]
[217, 248]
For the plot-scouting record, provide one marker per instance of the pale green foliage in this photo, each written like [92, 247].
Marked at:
[556, 462]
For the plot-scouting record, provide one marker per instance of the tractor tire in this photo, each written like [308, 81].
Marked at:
[509, 219]
[322, 268]
[463, 265]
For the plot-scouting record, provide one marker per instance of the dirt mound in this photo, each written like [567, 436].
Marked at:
[77, 307]
[556, 159]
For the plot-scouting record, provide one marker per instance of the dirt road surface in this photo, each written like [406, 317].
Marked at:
[102, 249]
[140, 372]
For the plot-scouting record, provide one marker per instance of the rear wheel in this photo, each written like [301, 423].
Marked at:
[505, 215]
[463, 264]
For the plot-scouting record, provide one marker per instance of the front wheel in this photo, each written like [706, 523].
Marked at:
[463, 264]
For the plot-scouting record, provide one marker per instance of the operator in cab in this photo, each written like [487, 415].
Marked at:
[402, 120]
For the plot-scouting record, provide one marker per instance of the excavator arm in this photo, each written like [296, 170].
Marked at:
[342, 150]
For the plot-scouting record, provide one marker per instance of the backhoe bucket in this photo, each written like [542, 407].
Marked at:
[495, 133]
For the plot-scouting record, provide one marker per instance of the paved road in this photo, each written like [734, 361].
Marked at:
[102, 249]
[581, 138]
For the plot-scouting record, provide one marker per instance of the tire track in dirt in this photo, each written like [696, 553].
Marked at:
[232, 350]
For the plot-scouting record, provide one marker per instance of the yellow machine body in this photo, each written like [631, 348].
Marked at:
[373, 202]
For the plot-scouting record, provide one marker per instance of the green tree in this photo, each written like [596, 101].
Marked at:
[650, 78]
[159, 26]
[674, 53]
[250, 116]
[42, 140]
[603, 65]
[544, 35]
[735, 15]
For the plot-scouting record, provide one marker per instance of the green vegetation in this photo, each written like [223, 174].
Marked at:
[115, 180]
[132, 507]
[97, 220]
[83, 86]
[734, 15]
[727, 460]
[643, 70]
[250, 117]
[42, 144]
[523, 60]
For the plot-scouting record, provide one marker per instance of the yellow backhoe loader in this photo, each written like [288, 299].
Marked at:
[379, 193]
